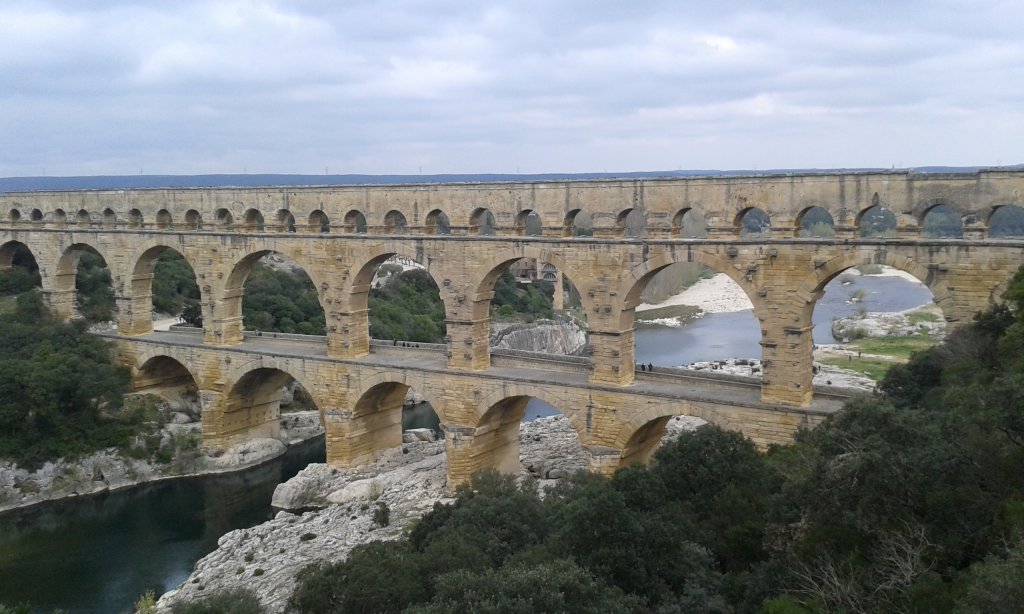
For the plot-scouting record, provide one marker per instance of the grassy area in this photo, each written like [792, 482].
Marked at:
[924, 315]
[897, 347]
[880, 354]
[875, 368]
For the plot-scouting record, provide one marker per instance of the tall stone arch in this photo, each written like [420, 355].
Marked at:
[137, 316]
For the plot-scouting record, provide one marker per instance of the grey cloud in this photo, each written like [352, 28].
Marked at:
[544, 86]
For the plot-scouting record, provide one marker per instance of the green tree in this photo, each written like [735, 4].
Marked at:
[376, 577]
[61, 393]
[94, 288]
[174, 284]
[231, 601]
[559, 586]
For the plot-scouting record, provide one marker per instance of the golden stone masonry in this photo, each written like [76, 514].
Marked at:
[340, 235]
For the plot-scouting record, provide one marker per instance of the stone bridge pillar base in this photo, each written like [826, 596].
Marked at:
[468, 344]
[354, 440]
[602, 460]
[470, 449]
[612, 355]
[211, 403]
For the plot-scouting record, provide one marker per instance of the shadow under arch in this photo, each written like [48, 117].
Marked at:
[140, 283]
[752, 222]
[165, 375]
[631, 223]
[499, 415]
[814, 221]
[1005, 221]
[577, 223]
[939, 220]
[875, 221]
[529, 224]
[689, 223]
[640, 436]
[376, 418]
[252, 407]
[12, 250]
[437, 223]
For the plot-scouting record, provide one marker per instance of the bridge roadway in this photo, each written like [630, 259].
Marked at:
[360, 399]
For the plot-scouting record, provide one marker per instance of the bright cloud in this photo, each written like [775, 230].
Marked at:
[197, 86]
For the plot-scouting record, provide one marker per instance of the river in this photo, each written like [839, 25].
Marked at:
[717, 336]
[99, 554]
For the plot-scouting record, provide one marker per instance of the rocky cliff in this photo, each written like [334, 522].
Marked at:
[341, 505]
[563, 335]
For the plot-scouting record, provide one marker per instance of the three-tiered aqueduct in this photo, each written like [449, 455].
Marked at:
[340, 235]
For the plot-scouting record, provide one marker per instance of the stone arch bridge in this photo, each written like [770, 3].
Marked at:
[465, 235]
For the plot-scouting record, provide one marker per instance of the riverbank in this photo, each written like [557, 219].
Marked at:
[720, 294]
[885, 304]
[108, 471]
[342, 503]
[717, 294]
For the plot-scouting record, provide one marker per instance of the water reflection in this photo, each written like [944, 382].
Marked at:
[99, 554]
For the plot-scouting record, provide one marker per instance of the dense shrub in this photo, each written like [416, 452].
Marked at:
[233, 601]
[60, 394]
[910, 501]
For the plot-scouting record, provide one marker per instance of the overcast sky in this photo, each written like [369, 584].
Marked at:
[458, 86]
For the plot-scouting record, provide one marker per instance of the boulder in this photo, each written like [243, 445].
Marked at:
[360, 490]
[294, 494]
[414, 435]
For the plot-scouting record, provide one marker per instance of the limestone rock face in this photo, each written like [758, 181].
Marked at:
[300, 426]
[251, 452]
[413, 435]
[295, 494]
[825, 375]
[875, 325]
[412, 397]
[563, 336]
[409, 480]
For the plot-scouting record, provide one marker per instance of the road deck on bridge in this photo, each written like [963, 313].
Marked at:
[665, 385]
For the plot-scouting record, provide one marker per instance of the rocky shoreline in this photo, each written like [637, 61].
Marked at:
[108, 471]
[341, 504]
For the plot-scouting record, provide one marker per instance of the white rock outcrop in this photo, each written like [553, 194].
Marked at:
[409, 480]
[562, 336]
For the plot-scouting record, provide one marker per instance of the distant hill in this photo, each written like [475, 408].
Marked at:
[121, 182]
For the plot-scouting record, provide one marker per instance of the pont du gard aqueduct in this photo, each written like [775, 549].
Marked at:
[465, 235]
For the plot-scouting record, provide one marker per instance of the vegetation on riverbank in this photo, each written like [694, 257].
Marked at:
[911, 501]
[875, 356]
[61, 394]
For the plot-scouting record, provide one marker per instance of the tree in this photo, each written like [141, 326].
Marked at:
[376, 577]
[559, 586]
